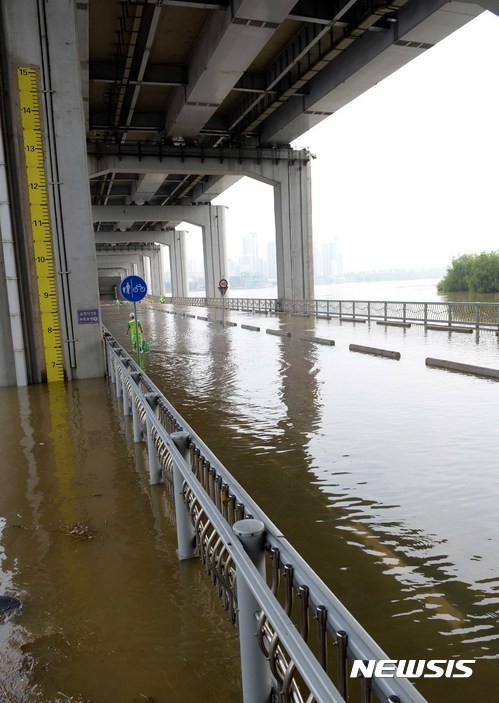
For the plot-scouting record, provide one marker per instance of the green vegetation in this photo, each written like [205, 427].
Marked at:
[478, 273]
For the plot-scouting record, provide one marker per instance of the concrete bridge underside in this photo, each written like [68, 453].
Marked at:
[148, 111]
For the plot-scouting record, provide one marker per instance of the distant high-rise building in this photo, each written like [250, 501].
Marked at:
[250, 252]
[328, 261]
[271, 267]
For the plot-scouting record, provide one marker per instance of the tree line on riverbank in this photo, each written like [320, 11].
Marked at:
[477, 273]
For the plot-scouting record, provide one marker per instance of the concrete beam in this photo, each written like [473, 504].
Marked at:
[231, 41]
[208, 190]
[216, 162]
[143, 237]
[365, 63]
[194, 214]
[146, 187]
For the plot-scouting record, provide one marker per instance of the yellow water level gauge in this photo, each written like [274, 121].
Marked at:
[37, 197]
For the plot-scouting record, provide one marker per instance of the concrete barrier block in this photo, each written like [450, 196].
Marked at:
[463, 368]
[318, 340]
[450, 328]
[352, 319]
[250, 327]
[375, 351]
[200, 317]
[393, 324]
[278, 333]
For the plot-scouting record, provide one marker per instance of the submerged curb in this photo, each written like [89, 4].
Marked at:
[374, 351]
[462, 368]
[318, 340]
[278, 333]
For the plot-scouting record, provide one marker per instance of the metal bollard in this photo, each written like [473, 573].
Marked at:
[118, 383]
[185, 529]
[154, 467]
[256, 678]
[126, 399]
[110, 365]
[138, 435]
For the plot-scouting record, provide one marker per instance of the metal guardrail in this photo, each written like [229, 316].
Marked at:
[265, 585]
[476, 315]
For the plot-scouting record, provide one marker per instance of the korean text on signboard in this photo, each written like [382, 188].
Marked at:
[88, 317]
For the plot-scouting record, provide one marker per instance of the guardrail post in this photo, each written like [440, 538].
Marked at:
[138, 435]
[154, 468]
[126, 400]
[477, 316]
[118, 382]
[185, 529]
[256, 679]
[110, 365]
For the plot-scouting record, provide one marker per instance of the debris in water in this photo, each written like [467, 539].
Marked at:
[78, 530]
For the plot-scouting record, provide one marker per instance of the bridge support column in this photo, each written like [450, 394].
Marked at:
[211, 219]
[44, 35]
[214, 248]
[157, 285]
[293, 223]
[178, 263]
[125, 260]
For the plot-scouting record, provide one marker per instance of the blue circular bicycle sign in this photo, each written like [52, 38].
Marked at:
[133, 288]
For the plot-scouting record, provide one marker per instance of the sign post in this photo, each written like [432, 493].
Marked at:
[223, 284]
[133, 289]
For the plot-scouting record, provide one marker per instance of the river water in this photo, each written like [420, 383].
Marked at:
[382, 473]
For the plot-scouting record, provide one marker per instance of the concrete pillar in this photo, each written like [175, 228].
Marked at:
[210, 218]
[178, 264]
[53, 49]
[214, 249]
[143, 268]
[156, 287]
[293, 223]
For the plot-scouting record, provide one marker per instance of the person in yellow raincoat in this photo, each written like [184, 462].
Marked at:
[135, 329]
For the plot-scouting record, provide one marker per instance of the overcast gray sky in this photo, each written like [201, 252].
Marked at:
[407, 175]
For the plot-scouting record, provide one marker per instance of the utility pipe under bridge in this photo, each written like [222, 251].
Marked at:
[475, 315]
[264, 584]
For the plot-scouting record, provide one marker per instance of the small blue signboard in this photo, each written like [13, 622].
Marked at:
[133, 288]
[88, 317]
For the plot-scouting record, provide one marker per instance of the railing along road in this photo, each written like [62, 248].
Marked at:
[305, 638]
[473, 314]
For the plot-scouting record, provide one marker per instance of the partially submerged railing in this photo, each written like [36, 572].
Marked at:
[477, 315]
[264, 584]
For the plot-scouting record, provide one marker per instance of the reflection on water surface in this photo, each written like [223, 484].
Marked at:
[381, 472]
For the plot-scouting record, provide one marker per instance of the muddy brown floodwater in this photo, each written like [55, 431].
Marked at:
[109, 614]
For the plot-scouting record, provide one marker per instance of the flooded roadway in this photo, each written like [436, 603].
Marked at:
[382, 473]
[109, 614]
